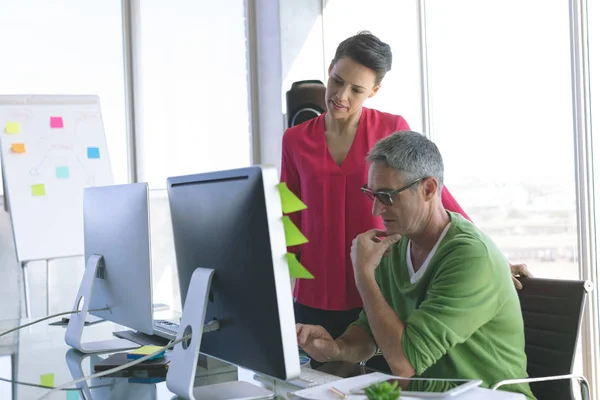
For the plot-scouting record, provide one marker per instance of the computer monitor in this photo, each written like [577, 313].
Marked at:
[118, 273]
[231, 222]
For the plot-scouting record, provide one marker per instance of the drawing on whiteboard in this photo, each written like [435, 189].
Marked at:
[52, 146]
[90, 178]
[35, 171]
[21, 114]
[61, 146]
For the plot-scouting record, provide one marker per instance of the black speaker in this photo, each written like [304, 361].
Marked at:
[305, 100]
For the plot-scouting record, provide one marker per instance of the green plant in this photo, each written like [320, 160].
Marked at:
[383, 391]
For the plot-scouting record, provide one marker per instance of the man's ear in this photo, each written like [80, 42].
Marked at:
[330, 68]
[430, 187]
[375, 90]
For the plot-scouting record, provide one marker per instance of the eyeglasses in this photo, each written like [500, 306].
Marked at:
[386, 198]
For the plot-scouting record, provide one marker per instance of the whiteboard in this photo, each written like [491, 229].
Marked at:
[51, 148]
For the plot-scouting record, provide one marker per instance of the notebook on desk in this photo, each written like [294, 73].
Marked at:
[150, 368]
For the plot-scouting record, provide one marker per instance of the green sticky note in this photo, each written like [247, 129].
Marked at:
[12, 128]
[47, 380]
[290, 203]
[73, 395]
[293, 236]
[38, 190]
[297, 270]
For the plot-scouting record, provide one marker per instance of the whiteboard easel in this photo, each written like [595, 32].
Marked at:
[52, 147]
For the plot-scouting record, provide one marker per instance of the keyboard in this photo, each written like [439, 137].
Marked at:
[311, 377]
[165, 329]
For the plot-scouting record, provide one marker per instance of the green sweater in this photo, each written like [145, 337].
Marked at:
[462, 317]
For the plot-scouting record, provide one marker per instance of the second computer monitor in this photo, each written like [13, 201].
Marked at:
[116, 226]
[231, 221]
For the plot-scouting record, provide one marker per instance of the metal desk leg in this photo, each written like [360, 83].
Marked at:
[48, 287]
[26, 290]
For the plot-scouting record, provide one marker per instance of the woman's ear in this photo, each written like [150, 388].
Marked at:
[375, 90]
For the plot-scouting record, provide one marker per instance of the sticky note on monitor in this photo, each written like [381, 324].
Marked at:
[93, 152]
[297, 270]
[38, 190]
[56, 122]
[17, 147]
[293, 236]
[12, 128]
[290, 203]
[62, 172]
[47, 380]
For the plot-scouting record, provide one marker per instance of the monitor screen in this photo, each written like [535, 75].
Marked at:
[231, 221]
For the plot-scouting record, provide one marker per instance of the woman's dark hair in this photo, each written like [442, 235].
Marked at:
[366, 49]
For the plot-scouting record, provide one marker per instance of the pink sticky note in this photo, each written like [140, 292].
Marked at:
[56, 122]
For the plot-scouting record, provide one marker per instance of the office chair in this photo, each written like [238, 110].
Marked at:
[552, 311]
[305, 100]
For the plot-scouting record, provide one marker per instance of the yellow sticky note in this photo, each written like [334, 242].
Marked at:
[297, 270]
[293, 236]
[145, 350]
[38, 190]
[290, 203]
[47, 380]
[17, 147]
[12, 128]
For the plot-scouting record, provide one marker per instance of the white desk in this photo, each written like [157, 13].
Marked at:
[284, 390]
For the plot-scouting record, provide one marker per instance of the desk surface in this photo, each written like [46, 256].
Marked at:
[33, 352]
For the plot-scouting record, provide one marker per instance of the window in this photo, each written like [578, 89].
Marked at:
[193, 89]
[301, 27]
[396, 23]
[502, 118]
[68, 47]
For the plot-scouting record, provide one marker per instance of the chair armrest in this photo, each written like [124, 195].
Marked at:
[583, 383]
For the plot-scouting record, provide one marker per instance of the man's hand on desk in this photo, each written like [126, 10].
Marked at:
[317, 342]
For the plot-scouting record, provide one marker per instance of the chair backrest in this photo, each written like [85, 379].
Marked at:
[305, 100]
[552, 311]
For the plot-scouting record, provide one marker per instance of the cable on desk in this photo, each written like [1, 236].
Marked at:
[117, 369]
[46, 318]
[49, 387]
[32, 384]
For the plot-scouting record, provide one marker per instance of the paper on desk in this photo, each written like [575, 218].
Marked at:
[323, 392]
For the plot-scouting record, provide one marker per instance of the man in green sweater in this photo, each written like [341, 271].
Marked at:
[441, 304]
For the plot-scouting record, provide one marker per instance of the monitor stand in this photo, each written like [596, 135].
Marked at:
[182, 369]
[102, 387]
[94, 269]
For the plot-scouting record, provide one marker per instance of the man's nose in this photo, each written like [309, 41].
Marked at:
[378, 207]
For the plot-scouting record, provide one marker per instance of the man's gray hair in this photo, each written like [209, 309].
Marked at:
[412, 154]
